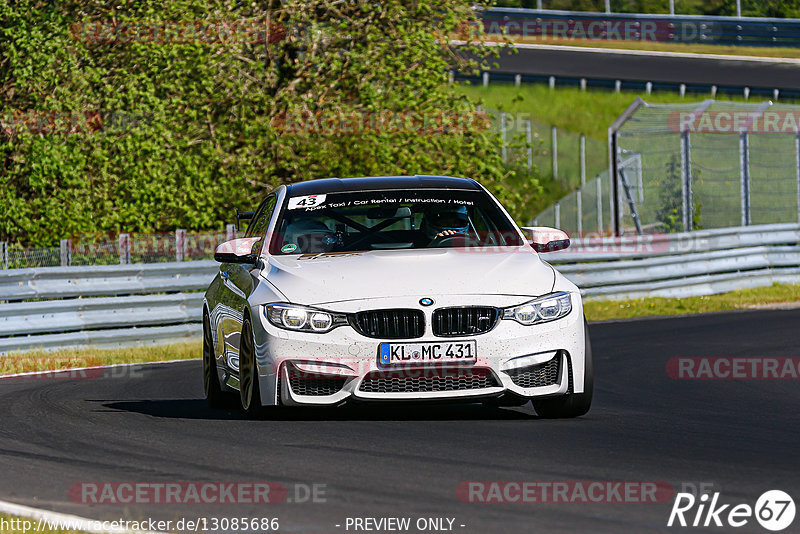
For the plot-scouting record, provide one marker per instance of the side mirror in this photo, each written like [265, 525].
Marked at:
[237, 251]
[545, 239]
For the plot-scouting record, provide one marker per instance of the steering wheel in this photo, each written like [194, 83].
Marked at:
[450, 240]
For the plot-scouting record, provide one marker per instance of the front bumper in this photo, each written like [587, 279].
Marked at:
[297, 368]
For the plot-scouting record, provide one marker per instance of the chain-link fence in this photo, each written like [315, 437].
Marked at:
[684, 167]
[566, 157]
[584, 211]
[109, 249]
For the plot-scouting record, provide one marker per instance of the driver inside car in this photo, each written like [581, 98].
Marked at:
[445, 221]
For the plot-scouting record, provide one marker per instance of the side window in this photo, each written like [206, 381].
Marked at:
[258, 226]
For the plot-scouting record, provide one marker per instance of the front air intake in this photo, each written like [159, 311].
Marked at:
[390, 324]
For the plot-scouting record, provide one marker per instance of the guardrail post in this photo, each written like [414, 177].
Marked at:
[230, 232]
[744, 176]
[503, 135]
[686, 182]
[65, 246]
[4, 253]
[529, 139]
[124, 249]
[554, 133]
[180, 245]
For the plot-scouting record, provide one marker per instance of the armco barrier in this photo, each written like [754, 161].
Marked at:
[532, 24]
[683, 264]
[104, 306]
[58, 307]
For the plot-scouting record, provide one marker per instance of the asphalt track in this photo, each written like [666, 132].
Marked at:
[151, 425]
[616, 65]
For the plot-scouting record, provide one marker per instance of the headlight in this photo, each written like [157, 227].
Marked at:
[303, 319]
[547, 308]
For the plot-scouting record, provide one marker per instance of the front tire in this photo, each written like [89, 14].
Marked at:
[575, 404]
[249, 392]
[215, 397]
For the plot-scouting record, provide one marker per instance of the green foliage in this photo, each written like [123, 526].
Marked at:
[209, 132]
[670, 213]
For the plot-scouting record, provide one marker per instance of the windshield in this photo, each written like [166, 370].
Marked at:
[380, 220]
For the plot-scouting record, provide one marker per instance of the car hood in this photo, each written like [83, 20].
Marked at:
[316, 279]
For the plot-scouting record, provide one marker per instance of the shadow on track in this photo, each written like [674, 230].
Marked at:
[198, 409]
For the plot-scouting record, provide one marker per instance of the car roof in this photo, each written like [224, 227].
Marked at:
[372, 183]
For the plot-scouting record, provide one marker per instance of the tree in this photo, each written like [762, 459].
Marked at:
[179, 110]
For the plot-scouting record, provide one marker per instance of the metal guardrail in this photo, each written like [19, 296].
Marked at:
[103, 306]
[60, 307]
[749, 31]
[683, 264]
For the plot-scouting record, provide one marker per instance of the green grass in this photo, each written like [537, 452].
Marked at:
[23, 362]
[601, 310]
[590, 112]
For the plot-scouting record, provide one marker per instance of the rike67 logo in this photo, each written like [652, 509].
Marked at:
[774, 510]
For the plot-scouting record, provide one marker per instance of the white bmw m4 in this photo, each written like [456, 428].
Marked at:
[381, 289]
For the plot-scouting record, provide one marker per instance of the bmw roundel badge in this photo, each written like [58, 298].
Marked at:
[426, 301]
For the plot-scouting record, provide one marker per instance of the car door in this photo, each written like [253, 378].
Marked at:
[239, 282]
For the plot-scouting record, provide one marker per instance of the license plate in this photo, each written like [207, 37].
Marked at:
[410, 353]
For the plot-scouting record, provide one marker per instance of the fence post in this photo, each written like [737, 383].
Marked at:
[529, 138]
[554, 132]
[486, 79]
[180, 245]
[599, 185]
[579, 195]
[503, 134]
[744, 176]
[65, 246]
[557, 214]
[686, 182]
[4, 253]
[124, 249]
[230, 232]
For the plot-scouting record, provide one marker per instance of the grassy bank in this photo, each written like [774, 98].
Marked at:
[590, 112]
[23, 362]
[743, 299]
